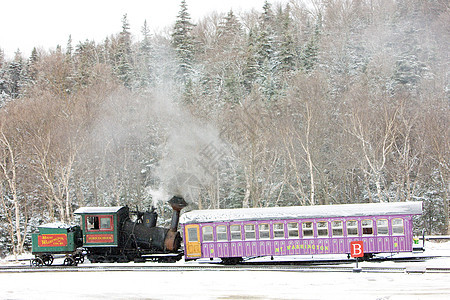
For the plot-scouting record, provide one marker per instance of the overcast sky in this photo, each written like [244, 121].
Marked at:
[25, 24]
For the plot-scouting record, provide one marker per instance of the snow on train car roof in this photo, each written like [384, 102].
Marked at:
[295, 212]
[98, 210]
[55, 225]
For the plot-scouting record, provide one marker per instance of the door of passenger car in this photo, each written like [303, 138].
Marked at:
[193, 247]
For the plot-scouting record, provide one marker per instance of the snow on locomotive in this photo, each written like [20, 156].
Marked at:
[233, 234]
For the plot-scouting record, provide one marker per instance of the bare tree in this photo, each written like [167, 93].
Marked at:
[10, 200]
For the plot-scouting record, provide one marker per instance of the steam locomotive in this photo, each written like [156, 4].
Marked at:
[108, 234]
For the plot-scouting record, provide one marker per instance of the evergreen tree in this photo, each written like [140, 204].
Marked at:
[3, 88]
[69, 50]
[251, 63]
[266, 36]
[230, 27]
[16, 76]
[145, 57]
[183, 42]
[32, 66]
[310, 52]
[85, 58]
[408, 67]
[287, 55]
[124, 66]
[267, 53]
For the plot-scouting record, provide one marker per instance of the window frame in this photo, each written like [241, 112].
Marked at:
[190, 236]
[99, 217]
[352, 227]
[365, 227]
[308, 229]
[221, 233]
[296, 229]
[333, 228]
[259, 231]
[394, 226]
[250, 231]
[321, 229]
[212, 233]
[384, 226]
[277, 231]
[232, 238]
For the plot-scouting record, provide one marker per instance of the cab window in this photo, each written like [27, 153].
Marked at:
[99, 223]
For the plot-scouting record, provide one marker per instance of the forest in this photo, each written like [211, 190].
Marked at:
[306, 103]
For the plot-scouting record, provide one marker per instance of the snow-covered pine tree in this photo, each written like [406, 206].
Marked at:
[310, 51]
[16, 75]
[183, 43]
[145, 58]
[286, 53]
[124, 65]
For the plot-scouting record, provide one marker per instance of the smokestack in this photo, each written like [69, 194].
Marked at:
[173, 238]
[177, 204]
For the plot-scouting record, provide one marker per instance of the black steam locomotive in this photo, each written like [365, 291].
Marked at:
[108, 234]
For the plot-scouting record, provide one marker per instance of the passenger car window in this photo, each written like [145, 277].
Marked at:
[352, 228]
[222, 233]
[264, 232]
[307, 229]
[250, 231]
[192, 234]
[293, 230]
[278, 230]
[382, 227]
[397, 226]
[367, 227]
[208, 234]
[338, 228]
[322, 229]
[235, 231]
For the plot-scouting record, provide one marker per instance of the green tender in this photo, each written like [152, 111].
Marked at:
[72, 233]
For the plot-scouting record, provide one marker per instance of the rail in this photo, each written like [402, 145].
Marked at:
[275, 268]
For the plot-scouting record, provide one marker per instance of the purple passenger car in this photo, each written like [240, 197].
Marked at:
[232, 234]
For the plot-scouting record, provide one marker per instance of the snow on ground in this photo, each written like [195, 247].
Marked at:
[235, 284]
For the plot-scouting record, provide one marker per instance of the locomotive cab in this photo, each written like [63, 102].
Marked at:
[100, 225]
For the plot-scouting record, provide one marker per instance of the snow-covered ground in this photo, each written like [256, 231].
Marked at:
[235, 284]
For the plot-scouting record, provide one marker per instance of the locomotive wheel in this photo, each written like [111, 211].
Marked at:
[79, 259]
[47, 260]
[37, 262]
[69, 261]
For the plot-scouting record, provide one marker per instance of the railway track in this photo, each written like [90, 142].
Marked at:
[218, 267]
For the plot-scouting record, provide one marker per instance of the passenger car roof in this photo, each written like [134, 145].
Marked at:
[302, 212]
